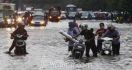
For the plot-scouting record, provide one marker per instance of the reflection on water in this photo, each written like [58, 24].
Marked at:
[32, 27]
[41, 27]
[10, 29]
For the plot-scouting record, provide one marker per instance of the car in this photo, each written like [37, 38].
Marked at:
[8, 21]
[54, 15]
[71, 15]
[101, 15]
[38, 20]
[84, 15]
[63, 15]
[87, 15]
[38, 10]
[92, 15]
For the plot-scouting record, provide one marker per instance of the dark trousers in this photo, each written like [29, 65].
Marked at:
[14, 45]
[116, 49]
[70, 48]
[91, 45]
[99, 45]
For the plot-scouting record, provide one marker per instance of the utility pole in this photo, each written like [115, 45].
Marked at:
[19, 4]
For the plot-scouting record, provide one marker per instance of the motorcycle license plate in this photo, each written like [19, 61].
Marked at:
[80, 47]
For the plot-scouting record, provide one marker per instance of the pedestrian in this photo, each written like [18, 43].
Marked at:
[72, 31]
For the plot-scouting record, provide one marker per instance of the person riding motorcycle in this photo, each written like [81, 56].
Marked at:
[99, 33]
[19, 30]
[72, 31]
[113, 33]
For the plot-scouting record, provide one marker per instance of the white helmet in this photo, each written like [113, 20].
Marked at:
[110, 26]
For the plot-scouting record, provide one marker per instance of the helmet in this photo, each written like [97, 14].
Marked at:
[80, 26]
[72, 25]
[111, 27]
[101, 24]
[85, 26]
[81, 41]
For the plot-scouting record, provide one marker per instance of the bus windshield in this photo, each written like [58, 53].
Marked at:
[71, 8]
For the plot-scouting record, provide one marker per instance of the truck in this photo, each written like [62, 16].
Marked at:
[54, 14]
[7, 10]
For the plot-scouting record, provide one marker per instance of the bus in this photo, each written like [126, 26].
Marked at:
[70, 9]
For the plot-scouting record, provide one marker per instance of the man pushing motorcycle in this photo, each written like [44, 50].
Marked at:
[114, 34]
[20, 33]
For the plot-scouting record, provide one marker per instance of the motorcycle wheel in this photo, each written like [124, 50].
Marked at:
[19, 51]
[77, 55]
[102, 52]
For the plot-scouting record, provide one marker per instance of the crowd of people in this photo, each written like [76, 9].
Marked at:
[88, 33]
[76, 30]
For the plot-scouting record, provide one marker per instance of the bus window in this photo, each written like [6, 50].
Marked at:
[71, 8]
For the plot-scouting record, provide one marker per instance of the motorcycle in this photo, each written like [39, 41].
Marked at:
[78, 50]
[20, 45]
[106, 46]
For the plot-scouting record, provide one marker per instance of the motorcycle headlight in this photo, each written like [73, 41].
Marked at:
[23, 18]
[9, 20]
[80, 47]
[50, 17]
[32, 22]
[106, 52]
[19, 19]
[59, 17]
[13, 20]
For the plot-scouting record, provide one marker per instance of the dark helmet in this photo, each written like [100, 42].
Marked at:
[85, 26]
[72, 25]
[101, 24]
[80, 26]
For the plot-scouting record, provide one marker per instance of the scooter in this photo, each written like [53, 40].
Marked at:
[20, 47]
[78, 50]
[106, 46]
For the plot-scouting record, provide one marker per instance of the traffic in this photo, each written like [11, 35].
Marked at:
[39, 17]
